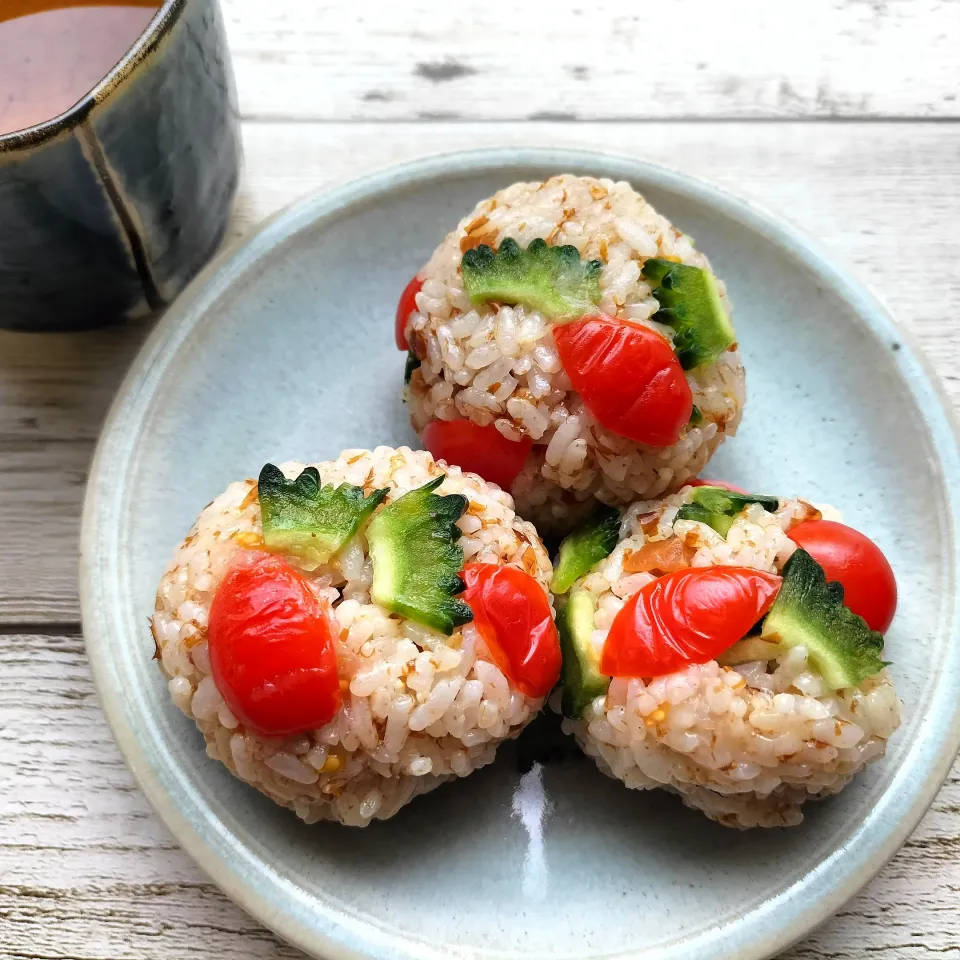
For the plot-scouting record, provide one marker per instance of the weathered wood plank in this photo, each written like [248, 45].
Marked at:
[884, 197]
[88, 871]
[608, 59]
[54, 393]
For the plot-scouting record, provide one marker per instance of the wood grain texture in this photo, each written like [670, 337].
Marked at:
[54, 393]
[606, 59]
[87, 871]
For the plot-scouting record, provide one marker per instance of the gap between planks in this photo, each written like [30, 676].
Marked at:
[54, 628]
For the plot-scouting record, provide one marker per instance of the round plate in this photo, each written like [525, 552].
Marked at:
[284, 349]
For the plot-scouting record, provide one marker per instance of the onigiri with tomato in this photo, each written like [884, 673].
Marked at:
[727, 647]
[350, 634]
[568, 343]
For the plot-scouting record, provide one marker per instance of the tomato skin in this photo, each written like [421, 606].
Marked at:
[406, 306]
[690, 616]
[857, 563]
[481, 450]
[628, 377]
[703, 482]
[271, 648]
[513, 615]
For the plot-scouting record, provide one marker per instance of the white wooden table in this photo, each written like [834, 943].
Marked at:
[842, 114]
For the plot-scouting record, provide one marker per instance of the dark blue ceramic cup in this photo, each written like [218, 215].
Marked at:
[109, 209]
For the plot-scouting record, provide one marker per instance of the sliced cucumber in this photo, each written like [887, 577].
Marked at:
[307, 520]
[810, 612]
[580, 675]
[690, 303]
[417, 559]
[590, 543]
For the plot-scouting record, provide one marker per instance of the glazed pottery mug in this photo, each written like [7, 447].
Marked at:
[107, 210]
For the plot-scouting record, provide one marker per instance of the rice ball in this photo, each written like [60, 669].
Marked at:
[749, 734]
[414, 705]
[514, 368]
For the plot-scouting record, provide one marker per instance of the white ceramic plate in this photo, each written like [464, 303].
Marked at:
[284, 349]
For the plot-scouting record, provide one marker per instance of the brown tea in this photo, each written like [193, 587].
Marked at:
[54, 52]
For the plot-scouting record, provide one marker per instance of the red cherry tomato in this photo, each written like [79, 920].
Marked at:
[481, 450]
[703, 482]
[406, 306]
[511, 611]
[271, 649]
[690, 616]
[857, 563]
[628, 377]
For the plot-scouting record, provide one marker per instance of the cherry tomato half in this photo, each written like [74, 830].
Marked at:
[481, 450]
[271, 649]
[857, 563]
[628, 377]
[511, 611]
[691, 616]
[406, 306]
[703, 482]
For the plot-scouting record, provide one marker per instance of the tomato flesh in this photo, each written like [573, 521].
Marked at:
[659, 557]
[271, 648]
[481, 450]
[511, 611]
[628, 377]
[855, 562]
[406, 306]
[691, 616]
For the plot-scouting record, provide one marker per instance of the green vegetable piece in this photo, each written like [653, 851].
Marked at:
[413, 362]
[690, 303]
[553, 280]
[696, 416]
[417, 560]
[810, 611]
[580, 675]
[307, 520]
[718, 507]
[721, 500]
[694, 511]
[590, 543]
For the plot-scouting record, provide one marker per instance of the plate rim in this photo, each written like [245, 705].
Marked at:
[777, 922]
